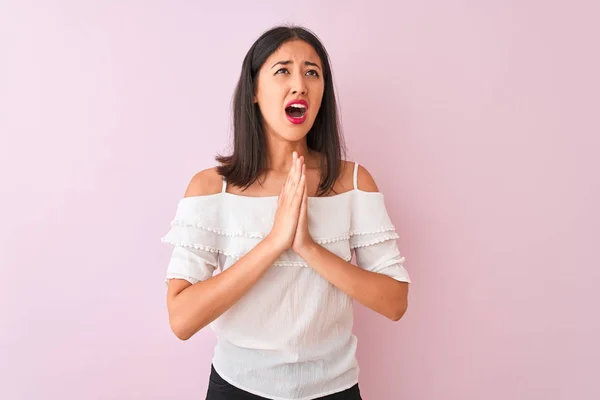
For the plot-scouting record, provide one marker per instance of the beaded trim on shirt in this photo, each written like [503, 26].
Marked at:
[197, 246]
[261, 235]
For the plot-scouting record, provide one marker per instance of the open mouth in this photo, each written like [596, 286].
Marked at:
[296, 111]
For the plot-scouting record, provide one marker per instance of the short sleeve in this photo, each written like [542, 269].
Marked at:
[374, 239]
[196, 248]
[193, 265]
[383, 258]
[211, 230]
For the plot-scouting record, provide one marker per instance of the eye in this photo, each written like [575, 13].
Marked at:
[281, 69]
[312, 72]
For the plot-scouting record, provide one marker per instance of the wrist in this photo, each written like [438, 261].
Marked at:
[274, 244]
[306, 250]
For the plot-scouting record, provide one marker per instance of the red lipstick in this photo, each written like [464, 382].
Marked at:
[296, 111]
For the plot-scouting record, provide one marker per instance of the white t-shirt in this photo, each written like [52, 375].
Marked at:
[290, 336]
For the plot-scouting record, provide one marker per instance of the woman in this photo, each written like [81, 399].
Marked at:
[281, 217]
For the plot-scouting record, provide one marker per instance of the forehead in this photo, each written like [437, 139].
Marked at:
[294, 50]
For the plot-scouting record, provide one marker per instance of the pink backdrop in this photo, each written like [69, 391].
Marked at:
[474, 117]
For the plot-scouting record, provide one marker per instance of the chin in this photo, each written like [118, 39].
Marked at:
[293, 133]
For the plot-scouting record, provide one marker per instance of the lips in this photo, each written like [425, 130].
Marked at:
[295, 111]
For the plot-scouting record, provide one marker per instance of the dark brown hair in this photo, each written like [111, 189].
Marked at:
[248, 160]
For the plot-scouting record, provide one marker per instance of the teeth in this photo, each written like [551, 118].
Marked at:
[298, 106]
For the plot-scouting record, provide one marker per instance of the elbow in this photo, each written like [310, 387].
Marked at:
[181, 329]
[182, 335]
[400, 303]
[180, 332]
[398, 312]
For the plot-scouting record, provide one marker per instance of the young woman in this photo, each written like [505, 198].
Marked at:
[281, 218]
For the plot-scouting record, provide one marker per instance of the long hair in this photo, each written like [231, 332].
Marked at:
[248, 160]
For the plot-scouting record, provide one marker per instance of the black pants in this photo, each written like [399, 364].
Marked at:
[220, 389]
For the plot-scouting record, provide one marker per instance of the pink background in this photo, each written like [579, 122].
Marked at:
[476, 119]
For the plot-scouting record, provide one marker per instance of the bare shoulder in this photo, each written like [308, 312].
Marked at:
[366, 182]
[345, 181]
[205, 182]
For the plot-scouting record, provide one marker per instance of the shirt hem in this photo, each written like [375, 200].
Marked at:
[257, 393]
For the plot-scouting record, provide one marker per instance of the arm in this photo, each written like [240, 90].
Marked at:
[192, 307]
[376, 291]
[379, 292]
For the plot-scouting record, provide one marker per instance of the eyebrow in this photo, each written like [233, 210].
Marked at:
[290, 62]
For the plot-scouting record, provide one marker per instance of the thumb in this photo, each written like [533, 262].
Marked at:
[280, 195]
[304, 205]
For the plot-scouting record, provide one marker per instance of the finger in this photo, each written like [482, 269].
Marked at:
[281, 192]
[299, 169]
[290, 176]
[294, 158]
[300, 189]
[294, 163]
[303, 207]
[301, 164]
[292, 170]
[305, 192]
[293, 178]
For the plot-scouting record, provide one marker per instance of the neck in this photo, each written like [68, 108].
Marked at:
[279, 154]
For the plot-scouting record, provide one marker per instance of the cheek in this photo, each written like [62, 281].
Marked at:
[270, 108]
[317, 96]
[269, 98]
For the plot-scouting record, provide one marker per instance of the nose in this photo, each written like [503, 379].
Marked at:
[298, 84]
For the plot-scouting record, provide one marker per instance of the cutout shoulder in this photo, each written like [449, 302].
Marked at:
[205, 182]
[345, 182]
[366, 183]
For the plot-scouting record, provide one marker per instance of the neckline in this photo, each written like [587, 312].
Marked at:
[270, 198]
[276, 197]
